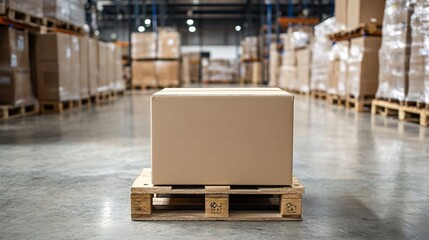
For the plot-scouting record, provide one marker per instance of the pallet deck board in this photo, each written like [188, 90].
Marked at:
[400, 111]
[229, 203]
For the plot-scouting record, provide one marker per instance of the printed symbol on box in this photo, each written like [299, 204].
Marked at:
[214, 208]
[290, 208]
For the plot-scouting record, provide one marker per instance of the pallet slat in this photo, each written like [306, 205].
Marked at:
[400, 111]
[229, 203]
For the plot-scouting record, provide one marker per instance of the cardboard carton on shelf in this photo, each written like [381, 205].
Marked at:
[213, 136]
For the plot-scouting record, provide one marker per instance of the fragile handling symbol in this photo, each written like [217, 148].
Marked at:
[290, 208]
[214, 208]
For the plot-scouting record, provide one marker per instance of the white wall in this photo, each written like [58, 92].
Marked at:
[216, 52]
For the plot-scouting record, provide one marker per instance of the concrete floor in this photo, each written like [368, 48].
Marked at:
[69, 176]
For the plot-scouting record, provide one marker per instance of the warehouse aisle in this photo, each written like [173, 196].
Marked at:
[69, 176]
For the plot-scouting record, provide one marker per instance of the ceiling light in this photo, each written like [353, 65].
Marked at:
[192, 29]
[238, 28]
[190, 22]
[147, 21]
[141, 29]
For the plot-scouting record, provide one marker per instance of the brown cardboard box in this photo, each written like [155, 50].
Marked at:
[58, 9]
[143, 45]
[168, 44]
[111, 65]
[144, 73]
[303, 57]
[15, 87]
[14, 52]
[364, 11]
[57, 78]
[31, 7]
[75, 65]
[213, 136]
[341, 12]
[167, 72]
[119, 75]
[84, 68]
[93, 66]
[363, 66]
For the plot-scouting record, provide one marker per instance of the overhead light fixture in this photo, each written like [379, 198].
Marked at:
[192, 29]
[141, 29]
[96, 33]
[238, 28]
[147, 21]
[190, 22]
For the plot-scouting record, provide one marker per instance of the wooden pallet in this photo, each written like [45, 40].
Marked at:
[59, 107]
[208, 203]
[336, 99]
[144, 87]
[85, 102]
[297, 92]
[318, 94]
[103, 97]
[400, 111]
[10, 111]
[24, 18]
[360, 104]
[364, 29]
[53, 24]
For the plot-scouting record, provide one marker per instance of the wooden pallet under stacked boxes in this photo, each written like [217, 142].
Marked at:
[25, 18]
[208, 203]
[401, 111]
[297, 92]
[103, 97]
[318, 94]
[365, 29]
[360, 104]
[59, 107]
[9, 111]
[336, 99]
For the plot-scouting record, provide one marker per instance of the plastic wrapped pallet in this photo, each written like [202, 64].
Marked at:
[103, 84]
[186, 74]
[303, 70]
[394, 53]
[84, 68]
[274, 63]
[57, 77]
[222, 70]
[77, 12]
[119, 73]
[418, 88]
[249, 48]
[168, 44]
[93, 66]
[320, 54]
[143, 45]
[31, 7]
[338, 56]
[15, 83]
[288, 77]
[363, 66]
[58, 9]
[111, 66]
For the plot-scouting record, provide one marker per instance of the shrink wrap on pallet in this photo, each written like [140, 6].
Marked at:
[338, 65]
[58, 9]
[93, 66]
[274, 64]
[77, 12]
[222, 70]
[103, 84]
[31, 7]
[303, 70]
[143, 45]
[15, 83]
[167, 72]
[119, 73]
[249, 48]
[84, 68]
[394, 53]
[418, 89]
[320, 54]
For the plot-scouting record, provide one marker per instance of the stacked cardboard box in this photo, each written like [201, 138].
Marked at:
[394, 54]
[84, 68]
[363, 11]
[57, 62]
[15, 82]
[418, 88]
[249, 49]
[156, 58]
[221, 70]
[72, 11]
[119, 70]
[93, 66]
[303, 57]
[338, 66]
[104, 78]
[274, 63]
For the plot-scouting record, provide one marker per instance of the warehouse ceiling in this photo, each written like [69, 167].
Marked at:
[213, 13]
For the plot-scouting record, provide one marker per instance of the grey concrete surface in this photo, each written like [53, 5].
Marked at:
[69, 176]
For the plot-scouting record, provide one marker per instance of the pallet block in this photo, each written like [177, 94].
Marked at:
[318, 94]
[360, 104]
[208, 203]
[336, 99]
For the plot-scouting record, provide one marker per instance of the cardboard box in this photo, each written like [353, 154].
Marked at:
[103, 67]
[58, 9]
[111, 66]
[84, 67]
[57, 77]
[31, 7]
[303, 70]
[167, 72]
[119, 74]
[364, 11]
[14, 54]
[15, 88]
[143, 45]
[93, 66]
[168, 44]
[212, 136]
[363, 66]
[341, 12]
[144, 73]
